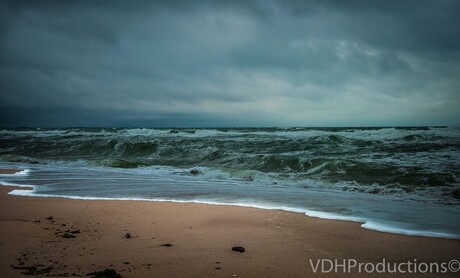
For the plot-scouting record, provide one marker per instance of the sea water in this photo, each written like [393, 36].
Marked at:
[399, 180]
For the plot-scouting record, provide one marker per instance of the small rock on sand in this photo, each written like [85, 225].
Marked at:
[238, 249]
[68, 235]
[167, 245]
[108, 272]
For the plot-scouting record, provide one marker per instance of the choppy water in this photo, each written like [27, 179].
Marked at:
[395, 179]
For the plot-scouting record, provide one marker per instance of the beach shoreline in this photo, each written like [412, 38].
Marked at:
[195, 240]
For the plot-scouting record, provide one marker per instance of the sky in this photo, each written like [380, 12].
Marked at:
[243, 63]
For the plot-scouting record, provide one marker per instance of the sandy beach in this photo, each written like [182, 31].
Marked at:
[62, 237]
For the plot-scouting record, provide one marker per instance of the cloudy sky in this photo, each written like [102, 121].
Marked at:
[229, 63]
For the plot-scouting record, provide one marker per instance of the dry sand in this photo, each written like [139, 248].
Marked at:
[278, 244]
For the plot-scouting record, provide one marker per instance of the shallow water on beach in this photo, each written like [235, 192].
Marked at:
[403, 180]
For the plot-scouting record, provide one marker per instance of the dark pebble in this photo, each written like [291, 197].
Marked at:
[68, 235]
[108, 272]
[167, 245]
[238, 249]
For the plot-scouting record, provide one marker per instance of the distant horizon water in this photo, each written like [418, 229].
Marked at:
[225, 126]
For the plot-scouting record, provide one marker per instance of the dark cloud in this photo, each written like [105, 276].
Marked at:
[229, 63]
[413, 25]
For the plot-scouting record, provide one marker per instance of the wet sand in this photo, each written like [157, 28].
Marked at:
[191, 240]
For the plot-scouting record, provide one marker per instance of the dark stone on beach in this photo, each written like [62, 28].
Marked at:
[33, 270]
[167, 245]
[68, 235]
[128, 235]
[238, 249]
[49, 218]
[106, 273]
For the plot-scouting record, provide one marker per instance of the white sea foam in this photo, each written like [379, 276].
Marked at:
[24, 172]
[376, 226]
[4, 183]
[333, 216]
[372, 225]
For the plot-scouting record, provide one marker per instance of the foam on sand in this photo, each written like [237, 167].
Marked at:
[13, 172]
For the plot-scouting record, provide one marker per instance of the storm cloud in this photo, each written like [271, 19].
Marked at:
[229, 63]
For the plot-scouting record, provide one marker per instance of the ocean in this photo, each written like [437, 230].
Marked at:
[395, 179]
